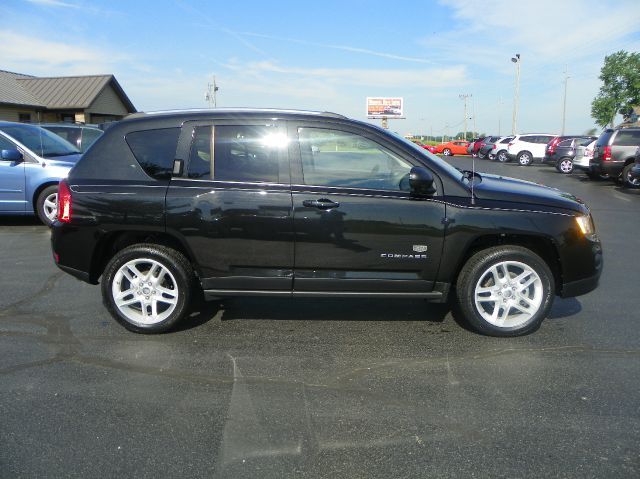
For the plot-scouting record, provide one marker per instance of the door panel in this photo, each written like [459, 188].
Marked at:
[356, 230]
[12, 182]
[240, 232]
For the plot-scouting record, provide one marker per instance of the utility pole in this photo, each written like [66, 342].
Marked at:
[211, 93]
[499, 113]
[464, 98]
[516, 94]
[564, 101]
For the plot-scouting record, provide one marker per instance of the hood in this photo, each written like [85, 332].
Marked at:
[67, 160]
[503, 188]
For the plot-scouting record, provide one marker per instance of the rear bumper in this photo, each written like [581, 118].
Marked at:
[611, 168]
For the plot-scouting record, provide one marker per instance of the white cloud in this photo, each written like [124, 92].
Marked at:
[28, 54]
[53, 3]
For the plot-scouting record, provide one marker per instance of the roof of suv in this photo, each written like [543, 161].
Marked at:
[233, 112]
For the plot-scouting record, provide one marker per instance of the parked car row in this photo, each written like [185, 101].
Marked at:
[33, 159]
[611, 155]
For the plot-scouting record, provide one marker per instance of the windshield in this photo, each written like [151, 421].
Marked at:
[42, 142]
[455, 172]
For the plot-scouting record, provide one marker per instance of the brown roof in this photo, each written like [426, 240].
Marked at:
[77, 92]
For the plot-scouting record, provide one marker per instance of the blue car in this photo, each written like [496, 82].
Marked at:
[32, 162]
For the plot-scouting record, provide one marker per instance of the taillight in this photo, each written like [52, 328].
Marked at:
[64, 202]
[606, 153]
[553, 144]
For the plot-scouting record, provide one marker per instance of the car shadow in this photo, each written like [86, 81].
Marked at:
[564, 307]
[332, 309]
[20, 221]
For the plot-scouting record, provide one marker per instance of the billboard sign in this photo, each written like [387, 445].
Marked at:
[385, 107]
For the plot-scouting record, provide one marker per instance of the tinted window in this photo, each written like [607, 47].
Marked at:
[507, 139]
[528, 139]
[155, 150]
[603, 139]
[240, 153]
[42, 142]
[627, 138]
[6, 144]
[339, 158]
[89, 136]
[72, 135]
[565, 142]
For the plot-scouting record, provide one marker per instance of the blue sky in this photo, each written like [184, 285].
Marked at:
[331, 55]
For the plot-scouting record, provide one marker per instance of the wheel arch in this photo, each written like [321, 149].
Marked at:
[37, 191]
[115, 241]
[541, 245]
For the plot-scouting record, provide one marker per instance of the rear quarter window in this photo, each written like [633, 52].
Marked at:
[155, 150]
[604, 138]
[528, 139]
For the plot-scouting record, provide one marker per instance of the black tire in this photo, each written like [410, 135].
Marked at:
[564, 165]
[482, 156]
[181, 278]
[446, 152]
[525, 158]
[477, 268]
[502, 156]
[45, 211]
[629, 181]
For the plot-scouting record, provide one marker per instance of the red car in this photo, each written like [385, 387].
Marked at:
[455, 147]
[431, 148]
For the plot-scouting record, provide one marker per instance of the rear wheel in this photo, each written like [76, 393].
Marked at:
[147, 288]
[47, 205]
[629, 180]
[525, 158]
[505, 291]
[564, 165]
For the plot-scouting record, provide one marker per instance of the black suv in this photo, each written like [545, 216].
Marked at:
[288, 203]
[614, 154]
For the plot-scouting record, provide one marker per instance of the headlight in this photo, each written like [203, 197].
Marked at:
[585, 223]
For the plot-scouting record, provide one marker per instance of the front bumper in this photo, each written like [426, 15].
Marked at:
[584, 285]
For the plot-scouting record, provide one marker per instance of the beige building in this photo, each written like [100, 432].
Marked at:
[79, 99]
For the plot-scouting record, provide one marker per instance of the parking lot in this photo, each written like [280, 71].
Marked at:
[255, 387]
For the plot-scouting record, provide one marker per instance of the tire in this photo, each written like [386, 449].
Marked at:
[524, 158]
[564, 166]
[480, 288]
[47, 205]
[148, 309]
[629, 181]
[482, 156]
[446, 152]
[502, 156]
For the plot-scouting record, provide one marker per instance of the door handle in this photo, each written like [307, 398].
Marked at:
[322, 204]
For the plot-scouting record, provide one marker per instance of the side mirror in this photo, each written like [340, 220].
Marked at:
[421, 182]
[11, 155]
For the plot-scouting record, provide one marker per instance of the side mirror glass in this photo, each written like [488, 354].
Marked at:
[421, 182]
[11, 155]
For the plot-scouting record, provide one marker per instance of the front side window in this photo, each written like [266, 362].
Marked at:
[42, 142]
[342, 159]
[244, 153]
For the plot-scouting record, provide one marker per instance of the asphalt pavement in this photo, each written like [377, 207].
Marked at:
[310, 388]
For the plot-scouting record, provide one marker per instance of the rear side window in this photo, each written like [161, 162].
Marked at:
[155, 150]
[528, 139]
[566, 142]
[603, 139]
[627, 138]
[236, 153]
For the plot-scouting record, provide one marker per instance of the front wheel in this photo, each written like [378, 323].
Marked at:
[505, 291]
[446, 152]
[147, 287]
[564, 165]
[525, 158]
[47, 205]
